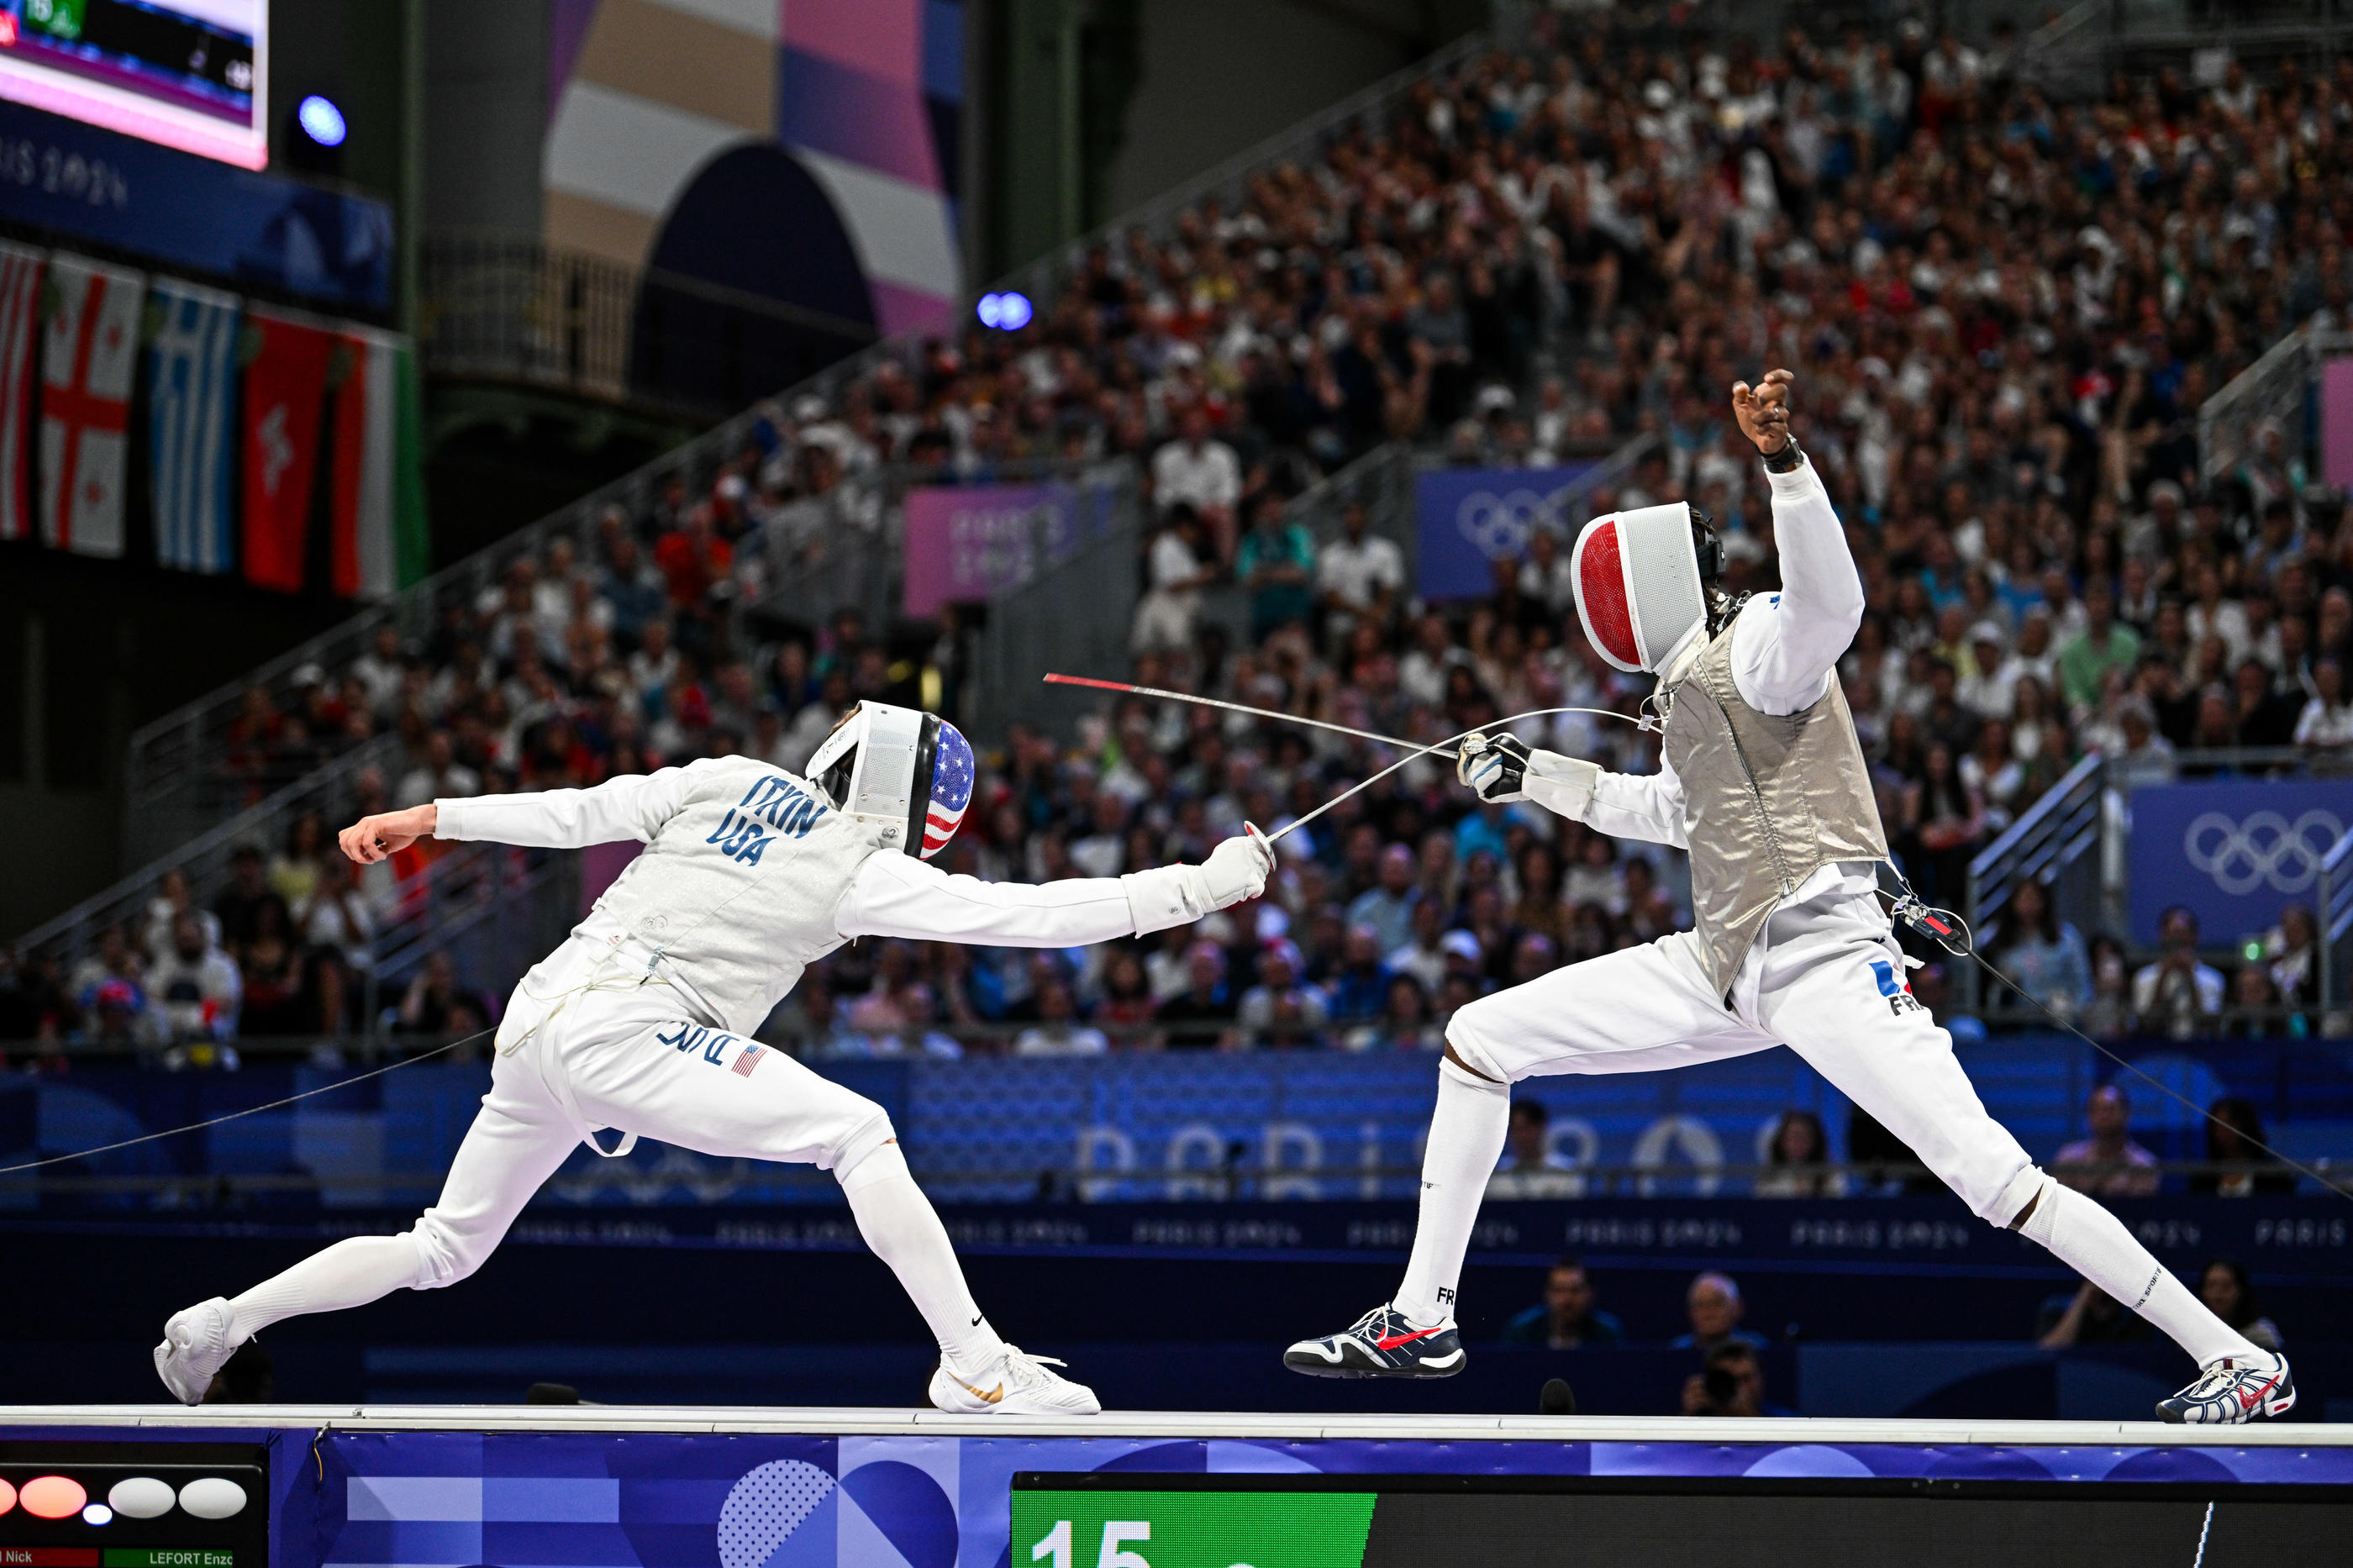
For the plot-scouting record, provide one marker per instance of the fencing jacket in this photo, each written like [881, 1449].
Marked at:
[749, 876]
[1763, 778]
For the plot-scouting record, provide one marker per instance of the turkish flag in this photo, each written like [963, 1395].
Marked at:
[285, 391]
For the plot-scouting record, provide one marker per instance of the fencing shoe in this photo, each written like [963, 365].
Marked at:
[1020, 1386]
[1381, 1343]
[2232, 1391]
[195, 1345]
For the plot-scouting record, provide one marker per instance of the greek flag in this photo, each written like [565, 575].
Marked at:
[191, 428]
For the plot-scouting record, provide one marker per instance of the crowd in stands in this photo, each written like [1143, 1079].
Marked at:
[2004, 314]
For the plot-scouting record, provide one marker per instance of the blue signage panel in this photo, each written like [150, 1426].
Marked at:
[185, 211]
[2236, 853]
[1468, 519]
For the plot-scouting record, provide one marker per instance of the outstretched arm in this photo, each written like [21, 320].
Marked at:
[632, 806]
[897, 894]
[1784, 649]
[1648, 806]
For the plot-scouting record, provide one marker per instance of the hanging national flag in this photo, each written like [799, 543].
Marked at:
[285, 391]
[20, 324]
[191, 398]
[377, 524]
[88, 352]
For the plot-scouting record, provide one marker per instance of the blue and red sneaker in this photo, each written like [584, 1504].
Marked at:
[1381, 1343]
[2232, 1391]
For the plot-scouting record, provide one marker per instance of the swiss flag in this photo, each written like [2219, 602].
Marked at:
[285, 394]
[89, 352]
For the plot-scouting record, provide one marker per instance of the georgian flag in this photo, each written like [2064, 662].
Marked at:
[89, 354]
[952, 776]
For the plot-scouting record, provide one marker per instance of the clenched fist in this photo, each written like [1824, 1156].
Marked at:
[1764, 410]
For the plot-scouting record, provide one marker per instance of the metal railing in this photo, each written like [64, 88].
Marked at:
[2050, 841]
[2278, 392]
[513, 308]
[2334, 914]
[331, 791]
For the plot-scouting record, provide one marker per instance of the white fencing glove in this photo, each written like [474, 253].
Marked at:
[1494, 766]
[1168, 895]
[1237, 869]
[1505, 768]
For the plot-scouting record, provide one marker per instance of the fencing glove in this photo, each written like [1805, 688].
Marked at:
[1168, 895]
[1505, 768]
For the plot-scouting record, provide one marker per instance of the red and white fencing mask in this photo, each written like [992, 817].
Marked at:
[1637, 578]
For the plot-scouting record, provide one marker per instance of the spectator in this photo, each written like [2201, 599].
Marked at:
[1165, 614]
[173, 899]
[2044, 955]
[2108, 1163]
[1406, 1022]
[2239, 1166]
[1566, 1319]
[1201, 472]
[1387, 908]
[2088, 1316]
[1358, 578]
[2325, 728]
[441, 776]
[1058, 1032]
[1202, 1016]
[1797, 1161]
[2105, 647]
[2178, 994]
[195, 987]
[1732, 1385]
[294, 873]
[1715, 1307]
[2223, 1286]
[1360, 991]
[1280, 1010]
[1277, 565]
[1532, 1167]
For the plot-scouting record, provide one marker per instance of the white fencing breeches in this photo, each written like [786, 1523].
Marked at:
[629, 1060]
[1827, 981]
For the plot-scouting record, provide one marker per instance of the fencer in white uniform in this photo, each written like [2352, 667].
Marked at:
[1763, 782]
[641, 1022]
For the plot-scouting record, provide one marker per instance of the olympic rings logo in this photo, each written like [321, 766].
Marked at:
[1500, 525]
[2267, 849]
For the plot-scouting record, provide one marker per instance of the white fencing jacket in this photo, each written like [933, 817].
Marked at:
[750, 875]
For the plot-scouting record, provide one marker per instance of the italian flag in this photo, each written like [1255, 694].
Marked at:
[377, 541]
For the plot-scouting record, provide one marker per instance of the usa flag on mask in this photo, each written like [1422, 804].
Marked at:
[951, 770]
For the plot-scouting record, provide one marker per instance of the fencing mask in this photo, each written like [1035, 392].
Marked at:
[905, 772]
[1639, 578]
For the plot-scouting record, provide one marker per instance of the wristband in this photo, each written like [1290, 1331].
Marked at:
[1787, 459]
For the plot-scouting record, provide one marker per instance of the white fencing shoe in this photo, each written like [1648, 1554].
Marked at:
[1021, 1385]
[195, 1345]
[2232, 1391]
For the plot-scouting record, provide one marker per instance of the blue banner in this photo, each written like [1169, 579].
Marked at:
[1469, 519]
[72, 179]
[2235, 853]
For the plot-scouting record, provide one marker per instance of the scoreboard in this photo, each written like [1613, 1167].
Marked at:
[133, 1505]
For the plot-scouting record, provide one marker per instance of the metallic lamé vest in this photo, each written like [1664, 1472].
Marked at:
[1767, 801]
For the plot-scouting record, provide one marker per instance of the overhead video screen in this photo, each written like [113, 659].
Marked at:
[191, 74]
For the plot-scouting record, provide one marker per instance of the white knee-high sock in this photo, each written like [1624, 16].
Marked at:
[1466, 1138]
[2094, 1243]
[351, 1273]
[899, 1223]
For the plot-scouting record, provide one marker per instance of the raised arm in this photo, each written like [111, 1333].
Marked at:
[1787, 644]
[896, 895]
[632, 806]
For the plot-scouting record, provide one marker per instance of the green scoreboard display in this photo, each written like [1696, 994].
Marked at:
[1132, 1519]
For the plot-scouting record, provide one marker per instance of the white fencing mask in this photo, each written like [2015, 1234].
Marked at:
[908, 772]
[1637, 579]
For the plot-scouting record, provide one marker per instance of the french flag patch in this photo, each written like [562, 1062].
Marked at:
[750, 1056]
